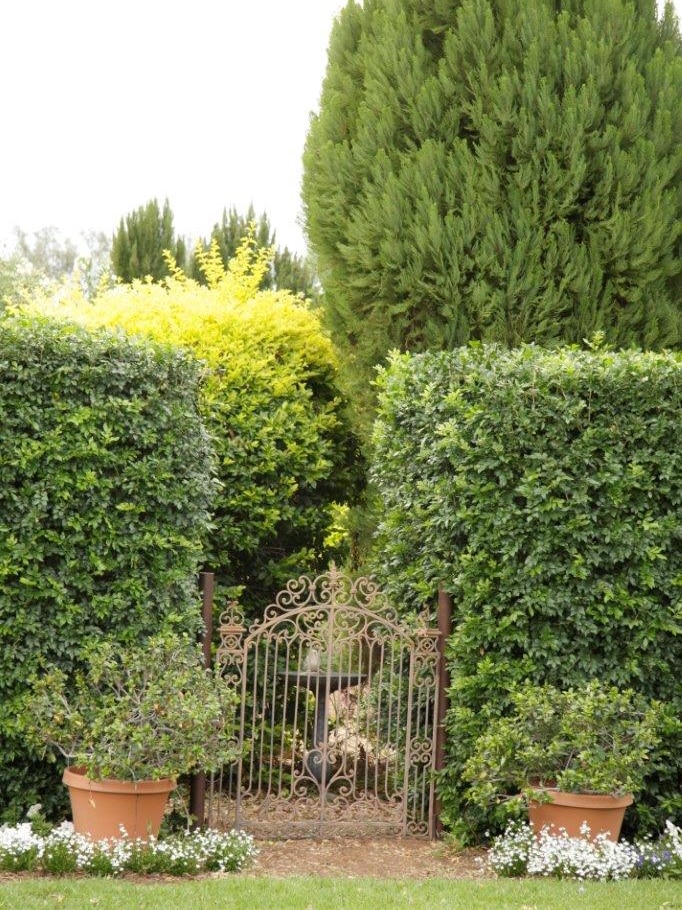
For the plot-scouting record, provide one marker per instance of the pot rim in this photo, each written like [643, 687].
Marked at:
[75, 776]
[593, 800]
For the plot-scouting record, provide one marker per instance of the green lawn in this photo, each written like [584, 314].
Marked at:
[344, 894]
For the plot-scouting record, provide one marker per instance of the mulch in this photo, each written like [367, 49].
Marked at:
[412, 858]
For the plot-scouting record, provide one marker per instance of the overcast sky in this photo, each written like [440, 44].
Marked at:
[106, 105]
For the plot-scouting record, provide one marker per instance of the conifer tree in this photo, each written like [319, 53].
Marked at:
[503, 170]
[288, 271]
[138, 245]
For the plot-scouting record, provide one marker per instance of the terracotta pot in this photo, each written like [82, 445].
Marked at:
[101, 807]
[603, 814]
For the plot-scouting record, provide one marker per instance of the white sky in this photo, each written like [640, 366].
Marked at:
[106, 105]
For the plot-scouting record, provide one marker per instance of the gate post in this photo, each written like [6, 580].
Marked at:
[197, 792]
[444, 629]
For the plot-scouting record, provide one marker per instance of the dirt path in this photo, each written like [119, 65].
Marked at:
[378, 858]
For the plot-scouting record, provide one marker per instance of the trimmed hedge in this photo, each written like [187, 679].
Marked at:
[544, 490]
[107, 483]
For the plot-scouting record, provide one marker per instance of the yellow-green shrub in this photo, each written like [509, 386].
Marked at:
[270, 401]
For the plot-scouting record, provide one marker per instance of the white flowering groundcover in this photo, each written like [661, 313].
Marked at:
[25, 848]
[519, 851]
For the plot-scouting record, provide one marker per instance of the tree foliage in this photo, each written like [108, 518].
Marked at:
[497, 170]
[46, 251]
[270, 400]
[17, 280]
[142, 237]
[287, 271]
[45, 258]
[543, 490]
[139, 712]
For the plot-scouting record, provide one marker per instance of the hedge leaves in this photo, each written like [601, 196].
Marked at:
[104, 502]
[544, 490]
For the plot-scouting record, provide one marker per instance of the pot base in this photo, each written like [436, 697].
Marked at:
[602, 814]
[101, 808]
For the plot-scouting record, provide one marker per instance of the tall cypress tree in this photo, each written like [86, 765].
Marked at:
[138, 246]
[501, 170]
[289, 271]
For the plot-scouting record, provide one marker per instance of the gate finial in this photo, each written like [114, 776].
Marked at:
[334, 575]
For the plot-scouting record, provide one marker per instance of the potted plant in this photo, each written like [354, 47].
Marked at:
[575, 756]
[129, 724]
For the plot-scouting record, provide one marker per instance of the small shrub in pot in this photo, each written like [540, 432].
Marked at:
[138, 714]
[593, 740]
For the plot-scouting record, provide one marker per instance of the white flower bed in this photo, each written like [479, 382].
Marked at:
[61, 850]
[519, 851]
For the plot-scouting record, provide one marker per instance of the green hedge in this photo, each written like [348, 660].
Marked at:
[107, 483]
[544, 490]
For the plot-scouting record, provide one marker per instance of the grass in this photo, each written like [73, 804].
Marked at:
[238, 892]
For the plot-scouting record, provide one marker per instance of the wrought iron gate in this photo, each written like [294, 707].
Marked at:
[337, 722]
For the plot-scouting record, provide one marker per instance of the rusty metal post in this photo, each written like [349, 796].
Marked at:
[207, 585]
[197, 793]
[444, 629]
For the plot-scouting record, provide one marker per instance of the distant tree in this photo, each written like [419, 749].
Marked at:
[501, 170]
[49, 254]
[45, 259]
[288, 271]
[294, 273]
[138, 245]
[18, 279]
[94, 261]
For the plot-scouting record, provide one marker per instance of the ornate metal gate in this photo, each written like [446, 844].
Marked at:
[337, 722]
